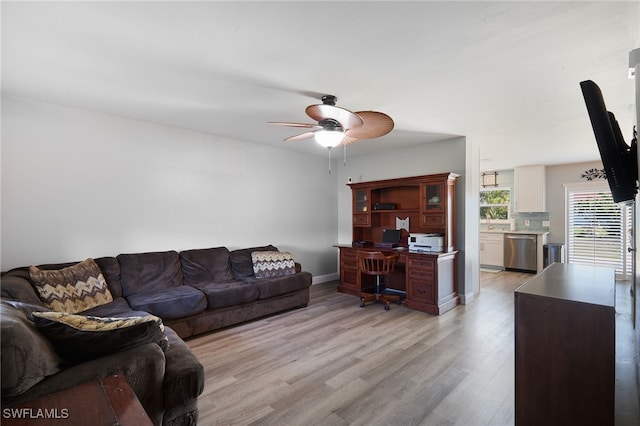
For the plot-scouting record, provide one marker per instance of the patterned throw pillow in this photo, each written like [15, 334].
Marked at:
[73, 289]
[268, 264]
[79, 338]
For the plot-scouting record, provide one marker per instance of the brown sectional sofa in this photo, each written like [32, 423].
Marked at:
[193, 292]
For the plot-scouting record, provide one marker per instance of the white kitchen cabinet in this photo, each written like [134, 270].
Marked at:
[529, 189]
[492, 249]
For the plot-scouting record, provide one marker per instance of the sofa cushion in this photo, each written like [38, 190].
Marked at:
[234, 293]
[110, 268]
[206, 265]
[175, 302]
[79, 338]
[146, 273]
[72, 289]
[272, 287]
[26, 357]
[241, 263]
[118, 306]
[269, 264]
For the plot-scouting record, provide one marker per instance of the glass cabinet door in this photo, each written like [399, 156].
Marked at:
[361, 201]
[433, 197]
[362, 208]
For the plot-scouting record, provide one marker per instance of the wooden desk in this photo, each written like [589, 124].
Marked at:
[429, 278]
[105, 402]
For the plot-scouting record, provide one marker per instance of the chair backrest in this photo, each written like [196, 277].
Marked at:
[376, 262]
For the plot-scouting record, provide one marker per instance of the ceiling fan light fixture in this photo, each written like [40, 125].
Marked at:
[338, 126]
[329, 138]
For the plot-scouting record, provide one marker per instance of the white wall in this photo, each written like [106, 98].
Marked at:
[438, 157]
[472, 224]
[79, 184]
[556, 177]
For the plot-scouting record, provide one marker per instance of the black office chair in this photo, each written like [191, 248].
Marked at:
[379, 265]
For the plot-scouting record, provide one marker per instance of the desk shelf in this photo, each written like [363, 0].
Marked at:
[428, 201]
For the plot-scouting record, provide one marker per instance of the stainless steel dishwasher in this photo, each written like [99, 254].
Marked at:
[520, 252]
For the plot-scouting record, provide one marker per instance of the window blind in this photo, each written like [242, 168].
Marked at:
[599, 231]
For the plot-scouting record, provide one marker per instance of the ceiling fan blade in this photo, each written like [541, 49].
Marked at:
[346, 118]
[300, 137]
[348, 140]
[376, 124]
[284, 123]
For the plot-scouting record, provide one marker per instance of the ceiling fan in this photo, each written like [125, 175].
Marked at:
[339, 126]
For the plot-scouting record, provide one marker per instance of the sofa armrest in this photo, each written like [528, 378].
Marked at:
[143, 368]
[18, 287]
[184, 374]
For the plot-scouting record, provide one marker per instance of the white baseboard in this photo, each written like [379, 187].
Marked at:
[319, 279]
[465, 299]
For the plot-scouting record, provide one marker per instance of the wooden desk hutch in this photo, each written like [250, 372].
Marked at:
[429, 278]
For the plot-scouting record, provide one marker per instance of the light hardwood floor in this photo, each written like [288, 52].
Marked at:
[334, 363]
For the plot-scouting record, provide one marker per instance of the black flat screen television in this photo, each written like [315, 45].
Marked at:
[619, 159]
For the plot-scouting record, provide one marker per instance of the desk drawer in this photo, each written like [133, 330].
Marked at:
[421, 262]
[421, 275]
[349, 258]
[361, 219]
[349, 263]
[421, 291]
[433, 220]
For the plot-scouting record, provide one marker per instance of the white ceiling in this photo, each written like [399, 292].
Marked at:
[504, 74]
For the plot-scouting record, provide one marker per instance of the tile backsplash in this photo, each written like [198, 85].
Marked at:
[536, 223]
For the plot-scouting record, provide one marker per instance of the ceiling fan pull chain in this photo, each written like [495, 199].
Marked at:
[345, 155]
[329, 148]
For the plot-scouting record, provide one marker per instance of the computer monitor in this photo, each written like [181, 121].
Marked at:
[391, 236]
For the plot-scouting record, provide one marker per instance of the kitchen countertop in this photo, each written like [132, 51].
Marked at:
[502, 231]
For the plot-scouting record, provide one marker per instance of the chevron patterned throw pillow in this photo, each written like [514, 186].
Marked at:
[268, 264]
[73, 289]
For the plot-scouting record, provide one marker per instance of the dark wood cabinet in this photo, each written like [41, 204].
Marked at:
[565, 347]
[428, 202]
[362, 207]
[422, 279]
[431, 282]
[349, 276]
[438, 206]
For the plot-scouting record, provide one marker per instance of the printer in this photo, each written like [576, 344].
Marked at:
[426, 242]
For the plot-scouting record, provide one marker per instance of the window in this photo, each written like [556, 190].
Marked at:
[494, 205]
[598, 230]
